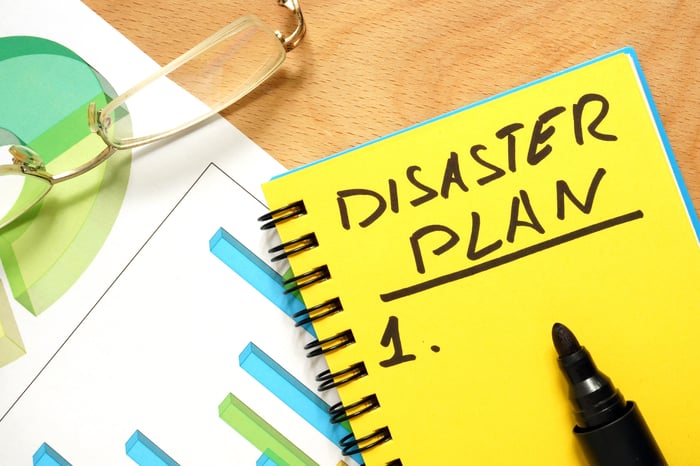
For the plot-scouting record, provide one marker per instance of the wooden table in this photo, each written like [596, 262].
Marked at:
[369, 67]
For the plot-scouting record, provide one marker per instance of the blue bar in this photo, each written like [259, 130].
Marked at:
[146, 453]
[265, 460]
[293, 393]
[256, 272]
[47, 456]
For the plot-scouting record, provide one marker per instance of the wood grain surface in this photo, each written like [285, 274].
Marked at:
[370, 67]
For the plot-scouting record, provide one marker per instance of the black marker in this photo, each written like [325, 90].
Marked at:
[611, 431]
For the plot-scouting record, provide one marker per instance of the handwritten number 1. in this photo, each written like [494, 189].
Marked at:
[391, 336]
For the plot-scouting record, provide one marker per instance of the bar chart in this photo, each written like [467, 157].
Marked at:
[188, 358]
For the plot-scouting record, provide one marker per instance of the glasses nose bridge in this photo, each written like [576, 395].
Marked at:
[292, 40]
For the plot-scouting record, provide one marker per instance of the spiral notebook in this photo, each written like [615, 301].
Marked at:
[434, 261]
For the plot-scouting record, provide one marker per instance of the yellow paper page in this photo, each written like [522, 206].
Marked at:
[455, 245]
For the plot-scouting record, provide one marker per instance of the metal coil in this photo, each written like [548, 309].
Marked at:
[317, 312]
[330, 379]
[274, 217]
[351, 446]
[341, 413]
[337, 341]
[303, 280]
[294, 246]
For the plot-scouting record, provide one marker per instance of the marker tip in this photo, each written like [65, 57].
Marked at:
[565, 341]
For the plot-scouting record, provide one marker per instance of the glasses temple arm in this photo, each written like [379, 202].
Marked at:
[291, 41]
[106, 153]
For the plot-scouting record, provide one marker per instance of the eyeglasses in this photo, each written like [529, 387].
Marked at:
[219, 71]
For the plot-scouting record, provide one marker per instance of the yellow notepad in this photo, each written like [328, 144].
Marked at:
[454, 245]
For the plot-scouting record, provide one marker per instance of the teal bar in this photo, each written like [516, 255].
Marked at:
[47, 456]
[293, 393]
[146, 453]
[256, 272]
[265, 460]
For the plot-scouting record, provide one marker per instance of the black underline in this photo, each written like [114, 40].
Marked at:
[510, 257]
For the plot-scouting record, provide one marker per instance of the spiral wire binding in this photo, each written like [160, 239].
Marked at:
[298, 282]
[317, 312]
[339, 412]
[328, 379]
[351, 446]
[294, 247]
[274, 217]
[319, 347]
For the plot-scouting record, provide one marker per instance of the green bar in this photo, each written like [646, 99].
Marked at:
[11, 346]
[65, 133]
[261, 434]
